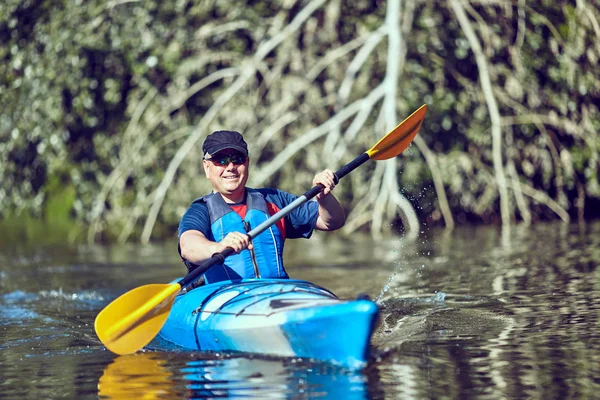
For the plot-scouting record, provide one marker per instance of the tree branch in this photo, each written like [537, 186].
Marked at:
[486, 86]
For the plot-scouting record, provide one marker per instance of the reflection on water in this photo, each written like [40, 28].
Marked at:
[154, 375]
[143, 375]
[465, 314]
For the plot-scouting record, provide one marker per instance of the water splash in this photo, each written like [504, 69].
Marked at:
[439, 297]
[86, 296]
[385, 289]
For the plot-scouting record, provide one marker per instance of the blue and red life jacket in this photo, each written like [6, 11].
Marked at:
[265, 260]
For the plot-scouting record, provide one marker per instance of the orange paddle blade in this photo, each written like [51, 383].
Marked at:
[399, 138]
[132, 320]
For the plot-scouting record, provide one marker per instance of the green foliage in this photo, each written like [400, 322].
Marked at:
[103, 95]
[59, 202]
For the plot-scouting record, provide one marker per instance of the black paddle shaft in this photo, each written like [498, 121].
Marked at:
[339, 174]
[219, 258]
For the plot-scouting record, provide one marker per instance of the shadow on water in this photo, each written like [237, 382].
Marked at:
[462, 314]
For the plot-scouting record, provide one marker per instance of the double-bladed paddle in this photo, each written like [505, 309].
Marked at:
[132, 320]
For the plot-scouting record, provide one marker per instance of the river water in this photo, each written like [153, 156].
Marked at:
[467, 314]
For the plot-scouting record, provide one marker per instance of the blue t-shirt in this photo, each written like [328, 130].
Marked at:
[297, 224]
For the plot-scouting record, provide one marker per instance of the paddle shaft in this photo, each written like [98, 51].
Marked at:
[219, 258]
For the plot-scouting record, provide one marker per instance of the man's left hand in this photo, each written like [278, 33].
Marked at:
[327, 179]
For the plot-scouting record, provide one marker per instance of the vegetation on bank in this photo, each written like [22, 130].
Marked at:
[105, 105]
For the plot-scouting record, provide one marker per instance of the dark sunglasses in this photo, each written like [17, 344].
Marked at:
[236, 159]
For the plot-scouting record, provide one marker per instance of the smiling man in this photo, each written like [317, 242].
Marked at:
[222, 218]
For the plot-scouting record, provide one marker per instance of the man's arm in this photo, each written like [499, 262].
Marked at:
[195, 247]
[331, 213]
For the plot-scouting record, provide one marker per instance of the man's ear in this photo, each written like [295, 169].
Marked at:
[205, 166]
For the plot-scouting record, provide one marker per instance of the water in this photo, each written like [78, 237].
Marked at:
[466, 314]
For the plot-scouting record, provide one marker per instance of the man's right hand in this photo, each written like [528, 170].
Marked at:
[238, 241]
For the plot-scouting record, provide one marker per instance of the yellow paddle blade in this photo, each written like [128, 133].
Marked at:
[399, 138]
[132, 320]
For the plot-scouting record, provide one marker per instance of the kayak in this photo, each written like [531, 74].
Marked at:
[279, 317]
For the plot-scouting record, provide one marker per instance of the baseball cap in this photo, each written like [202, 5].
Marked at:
[221, 140]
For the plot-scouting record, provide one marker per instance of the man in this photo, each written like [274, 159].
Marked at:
[222, 218]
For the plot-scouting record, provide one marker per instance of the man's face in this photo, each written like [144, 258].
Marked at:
[227, 171]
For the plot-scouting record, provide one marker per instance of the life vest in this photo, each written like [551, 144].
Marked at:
[265, 260]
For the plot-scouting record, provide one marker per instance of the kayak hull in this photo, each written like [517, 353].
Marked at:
[281, 317]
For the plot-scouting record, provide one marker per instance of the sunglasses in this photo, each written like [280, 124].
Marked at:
[236, 159]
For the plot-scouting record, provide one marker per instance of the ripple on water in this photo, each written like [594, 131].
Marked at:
[14, 308]
[49, 321]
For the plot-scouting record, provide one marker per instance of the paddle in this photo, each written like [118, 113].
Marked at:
[132, 320]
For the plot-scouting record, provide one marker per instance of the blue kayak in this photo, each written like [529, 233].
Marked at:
[281, 317]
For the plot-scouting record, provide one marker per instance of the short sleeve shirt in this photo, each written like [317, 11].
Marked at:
[297, 224]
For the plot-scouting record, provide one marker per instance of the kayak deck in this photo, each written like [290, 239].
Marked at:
[281, 317]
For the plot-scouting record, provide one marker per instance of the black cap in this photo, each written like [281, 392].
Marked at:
[221, 140]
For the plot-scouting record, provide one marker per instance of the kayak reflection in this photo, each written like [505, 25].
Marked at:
[266, 378]
[153, 375]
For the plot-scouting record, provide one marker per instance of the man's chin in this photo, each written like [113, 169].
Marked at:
[232, 191]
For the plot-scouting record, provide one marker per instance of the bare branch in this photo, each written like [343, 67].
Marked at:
[589, 13]
[333, 55]
[542, 198]
[261, 176]
[396, 59]
[486, 86]
[361, 57]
